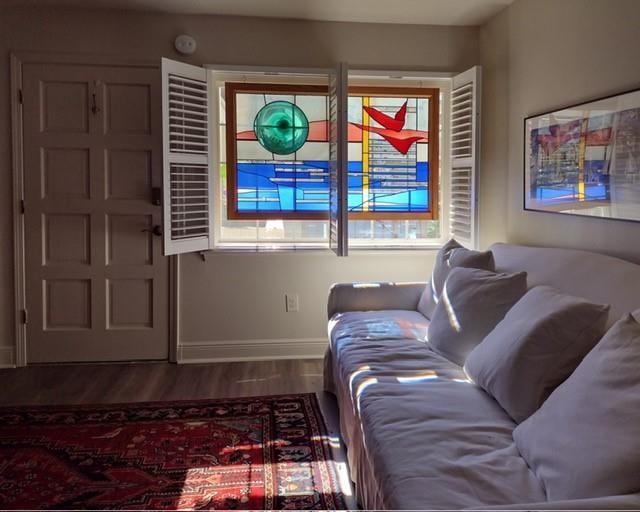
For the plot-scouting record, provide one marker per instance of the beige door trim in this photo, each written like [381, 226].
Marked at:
[17, 60]
[20, 353]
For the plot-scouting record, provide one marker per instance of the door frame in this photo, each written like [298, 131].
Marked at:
[17, 60]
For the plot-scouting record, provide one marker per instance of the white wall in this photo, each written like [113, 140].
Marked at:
[234, 296]
[561, 53]
[494, 56]
[244, 293]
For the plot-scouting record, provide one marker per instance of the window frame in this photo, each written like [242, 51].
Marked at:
[434, 149]
[230, 90]
[432, 93]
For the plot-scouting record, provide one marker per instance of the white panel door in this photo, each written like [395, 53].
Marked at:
[96, 280]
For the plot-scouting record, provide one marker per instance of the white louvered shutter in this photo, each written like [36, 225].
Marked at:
[338, 179]
[187, 173]
[465, 156]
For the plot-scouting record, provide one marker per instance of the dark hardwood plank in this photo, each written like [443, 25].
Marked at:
[137, 382]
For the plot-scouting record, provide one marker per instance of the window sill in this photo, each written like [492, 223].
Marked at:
[324, 249]
[268, 248]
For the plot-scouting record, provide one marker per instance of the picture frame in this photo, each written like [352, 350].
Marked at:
[584, 159]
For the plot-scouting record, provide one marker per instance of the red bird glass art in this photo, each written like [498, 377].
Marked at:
[391, 123]
[392, 130]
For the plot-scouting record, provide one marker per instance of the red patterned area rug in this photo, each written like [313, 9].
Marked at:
[240, 453]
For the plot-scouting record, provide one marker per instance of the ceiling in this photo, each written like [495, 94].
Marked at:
[423, 12]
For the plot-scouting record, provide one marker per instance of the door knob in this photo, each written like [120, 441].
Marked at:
[155, 230]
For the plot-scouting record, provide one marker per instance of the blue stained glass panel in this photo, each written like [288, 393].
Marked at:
[388, 168]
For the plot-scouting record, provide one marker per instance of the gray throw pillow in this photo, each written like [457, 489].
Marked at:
[537, 345]
[473, 301]
[584, 441]
[451, 255]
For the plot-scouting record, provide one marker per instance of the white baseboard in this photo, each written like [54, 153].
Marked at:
[251, 350]
[6, 357]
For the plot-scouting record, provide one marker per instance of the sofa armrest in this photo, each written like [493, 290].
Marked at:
[373, 296]
[625, 502]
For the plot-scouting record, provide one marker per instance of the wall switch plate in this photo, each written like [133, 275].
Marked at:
[292, 303]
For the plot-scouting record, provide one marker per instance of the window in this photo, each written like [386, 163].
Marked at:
[281, 200]
[277, 142]
[271, 164]
[393, 153]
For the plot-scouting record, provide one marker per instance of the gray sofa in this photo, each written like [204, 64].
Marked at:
[418, 434]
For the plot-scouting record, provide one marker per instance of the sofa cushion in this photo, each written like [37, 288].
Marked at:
[371, 344]
[440, 443]
[384, 343]
[450, 255]
[472, 303]
[423, 436]
[537, 345]
[585, 439]
[384, 324]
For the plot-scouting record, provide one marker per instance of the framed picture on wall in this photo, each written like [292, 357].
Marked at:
[585, 159]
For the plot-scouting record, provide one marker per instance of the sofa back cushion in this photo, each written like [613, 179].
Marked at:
[537, 345]
[584, 441]
[596, 277]
[473, 301]
[451, 255]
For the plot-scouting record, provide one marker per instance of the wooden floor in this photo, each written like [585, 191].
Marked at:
[139, 382]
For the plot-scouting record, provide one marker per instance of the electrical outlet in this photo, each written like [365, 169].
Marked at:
[292, 303]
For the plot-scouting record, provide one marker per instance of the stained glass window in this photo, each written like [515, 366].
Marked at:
[277, 152]
[392, 161]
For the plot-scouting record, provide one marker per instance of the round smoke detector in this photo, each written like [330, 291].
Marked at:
[185, 44]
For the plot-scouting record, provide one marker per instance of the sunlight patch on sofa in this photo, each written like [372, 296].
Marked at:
[354, 376]
[420, 377]
[453, 318]
[361, 389]
[434, 293]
